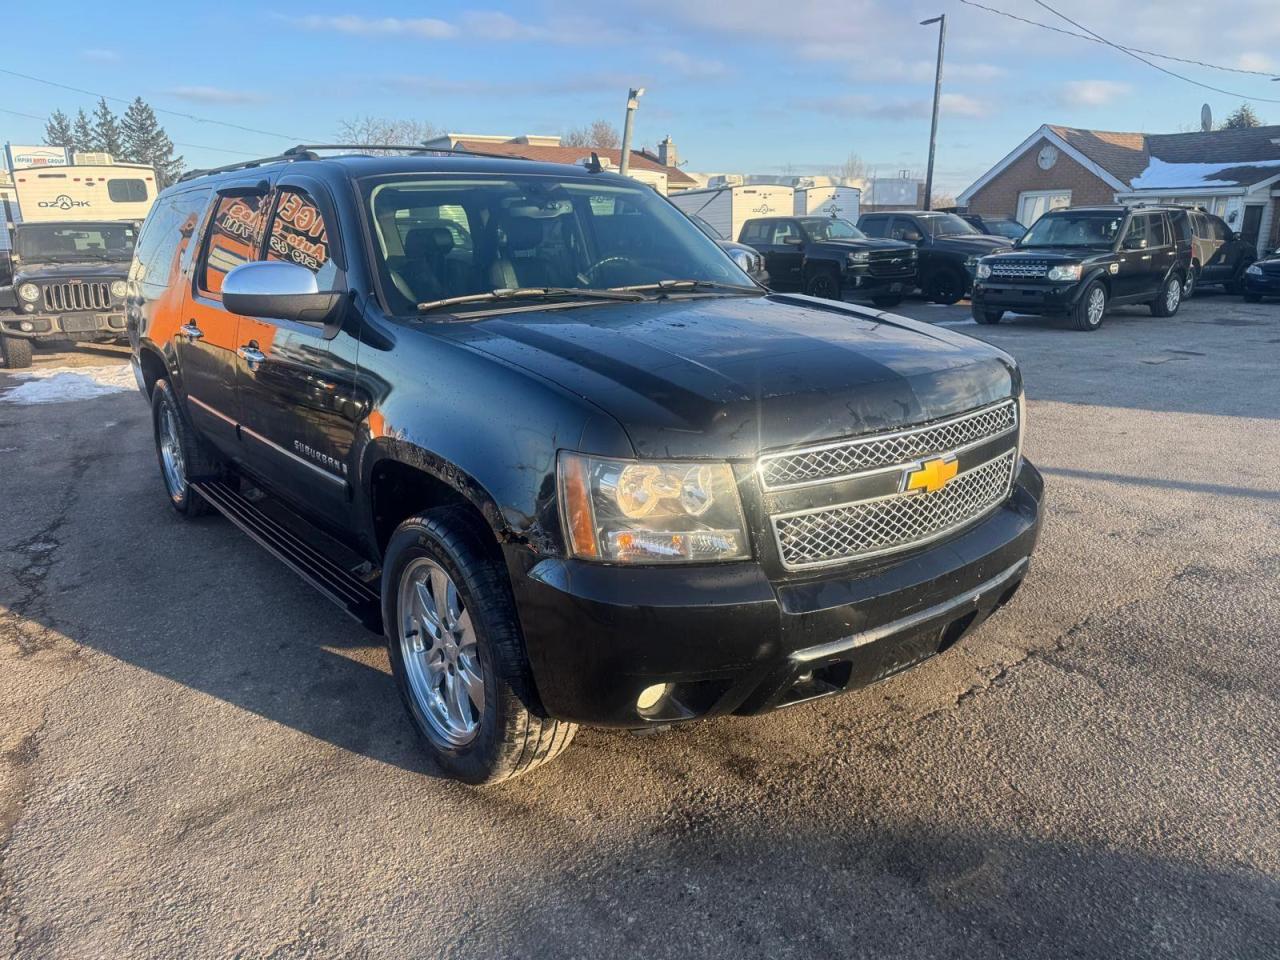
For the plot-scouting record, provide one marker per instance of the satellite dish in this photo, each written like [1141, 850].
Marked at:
[1206, 118]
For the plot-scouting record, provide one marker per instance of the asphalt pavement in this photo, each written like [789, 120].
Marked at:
[201, 757]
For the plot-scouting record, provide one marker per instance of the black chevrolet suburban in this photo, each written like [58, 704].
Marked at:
[1079, 261]
[948, 246]
[67, 286]
[577, 468]
[831, 258]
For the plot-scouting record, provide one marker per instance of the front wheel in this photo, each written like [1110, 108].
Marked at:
[457, 654]
[823, 284]
[1087, 314]
[1169, 299]
[945, 287]
[16, 352]
[987, 317]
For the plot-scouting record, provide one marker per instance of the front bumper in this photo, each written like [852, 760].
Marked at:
[1267, 285]
[726, 639]
[859, 282]
[64, 326]
[1050, 298]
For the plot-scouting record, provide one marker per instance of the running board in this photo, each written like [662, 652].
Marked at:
[310, 560]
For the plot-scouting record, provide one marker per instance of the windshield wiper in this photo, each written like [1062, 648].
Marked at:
[664, 286]
[531, 293]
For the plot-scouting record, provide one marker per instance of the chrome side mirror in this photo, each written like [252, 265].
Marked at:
[278, 290]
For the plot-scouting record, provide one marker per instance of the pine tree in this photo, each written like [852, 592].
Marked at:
[58, 133]
[1242, 117]
[85, 138]
[106, 130]
[144, 141]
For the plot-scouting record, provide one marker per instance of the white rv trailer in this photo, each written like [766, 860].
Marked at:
[728, 208]
[840, 202]
[118, 191]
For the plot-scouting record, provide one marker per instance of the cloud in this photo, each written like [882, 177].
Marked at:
[424, 28]
[1092, 93]
[697, 68]
[1252, 60]
[99, 55]
[491, 26]
[214, 95]
[898, 108]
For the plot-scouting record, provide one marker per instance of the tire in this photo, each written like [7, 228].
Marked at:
[1190, 283]
[1235, 286]
[987, 317]
[16, 352]
[1252, 297]
[1169, 299]
[945, 286]
[475, 650]
[181, 452]
[887, 303]
[1090, 310]
[824, 284]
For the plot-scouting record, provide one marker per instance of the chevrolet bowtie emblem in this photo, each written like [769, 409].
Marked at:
[929, 476]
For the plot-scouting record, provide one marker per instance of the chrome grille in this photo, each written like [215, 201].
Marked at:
[71, 297]
[1019, 269]
[897, 263]
[854, 530]
[834, 461]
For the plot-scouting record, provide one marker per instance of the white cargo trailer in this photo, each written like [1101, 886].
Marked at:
[117, 191]
[728, 208]
[840, 202]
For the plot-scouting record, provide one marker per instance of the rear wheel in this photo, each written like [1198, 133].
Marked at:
[1087, 314]
[1170, 298]
[824, 284]
[1236, 284]
[16, 352]
[945, 286]
[1190, 283]
[457, 654]
[182, 453]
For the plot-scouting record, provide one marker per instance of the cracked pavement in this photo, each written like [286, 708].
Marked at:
[200, 757]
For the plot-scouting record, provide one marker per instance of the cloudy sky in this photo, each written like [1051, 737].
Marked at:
[741, 85]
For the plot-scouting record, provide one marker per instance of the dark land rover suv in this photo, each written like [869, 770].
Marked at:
[566, 456]
[1077, 262]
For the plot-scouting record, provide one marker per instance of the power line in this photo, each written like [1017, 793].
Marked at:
[173, 113]
[1096, 39]
[189, 146]
[1155, 66]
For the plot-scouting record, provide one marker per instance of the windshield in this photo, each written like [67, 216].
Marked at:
[947, 225]
[529, 233]
[1082, 229]
[74, 241]
[1011, 229]
[706, 228]
[831, 228]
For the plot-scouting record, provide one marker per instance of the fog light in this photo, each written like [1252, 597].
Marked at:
[25, 326]
[650, 696]
[29, 307]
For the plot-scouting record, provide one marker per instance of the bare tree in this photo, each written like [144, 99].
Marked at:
[599, 133]
[367, 129]
[853, 168]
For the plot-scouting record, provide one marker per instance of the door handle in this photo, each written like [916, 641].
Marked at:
[190, 331]
[250, 354]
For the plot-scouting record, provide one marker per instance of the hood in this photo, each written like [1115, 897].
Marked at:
[84, 269]
[731, 376]
[1050, 254]
[972, 244]
[870, 243]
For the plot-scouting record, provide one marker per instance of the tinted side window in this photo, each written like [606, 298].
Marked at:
[1159, 231]
[1217, 228]
[234, 237]
[1138, 230]
[873, 226]
[166, 236]
[127, 191]
[755, 231]
[298, 235]
[1181, 226]
[783, 229]
[901, 227]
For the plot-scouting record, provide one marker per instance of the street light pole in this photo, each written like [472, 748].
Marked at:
[941, 20]
[633, 101]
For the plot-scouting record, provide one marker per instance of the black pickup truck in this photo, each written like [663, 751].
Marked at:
[831, 258]
[949, 248]
[575, 466]
[68, 286]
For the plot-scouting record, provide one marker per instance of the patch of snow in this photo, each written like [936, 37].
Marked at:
[1160, 175]
[60, 384]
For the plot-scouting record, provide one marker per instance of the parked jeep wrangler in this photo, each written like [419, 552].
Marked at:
[1079, 261]
[575, 467]
[68, 286]
[831, 258]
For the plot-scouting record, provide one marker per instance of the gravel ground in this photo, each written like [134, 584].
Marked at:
[200, 757]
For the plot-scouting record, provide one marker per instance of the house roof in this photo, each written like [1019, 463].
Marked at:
[1123, 155]
[559, 154]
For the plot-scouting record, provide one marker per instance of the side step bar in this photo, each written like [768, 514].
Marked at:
[358, 597]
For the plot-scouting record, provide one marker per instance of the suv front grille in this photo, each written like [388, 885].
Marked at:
[856, 530]
[836, 461]
[70, 297]
[1019, 270]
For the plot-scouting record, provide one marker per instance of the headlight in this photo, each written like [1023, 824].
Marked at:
[29, 292]
[1254, 270]
[1069, 271]
[982, 271]
[862, 257]
[118, 289]
[636, 511]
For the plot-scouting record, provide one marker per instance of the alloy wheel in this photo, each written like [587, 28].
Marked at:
[1097, 306]
[441, 657]
[1173, 295]
[175, 471]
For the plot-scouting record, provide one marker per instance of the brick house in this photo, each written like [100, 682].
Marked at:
[1232, 173]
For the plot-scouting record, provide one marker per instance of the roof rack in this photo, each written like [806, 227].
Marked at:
[307, 151]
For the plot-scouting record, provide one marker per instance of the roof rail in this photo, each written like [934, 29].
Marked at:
[307, 151]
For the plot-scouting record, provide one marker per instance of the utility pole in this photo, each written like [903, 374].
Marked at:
[941, 21]
[633, 101]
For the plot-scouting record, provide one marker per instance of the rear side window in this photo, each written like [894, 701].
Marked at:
[299, 235]
[234, 237]
[1159, 231]
[1181, 226]
[127, 191]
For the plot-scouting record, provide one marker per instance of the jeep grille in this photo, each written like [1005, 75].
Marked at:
[72, 297]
